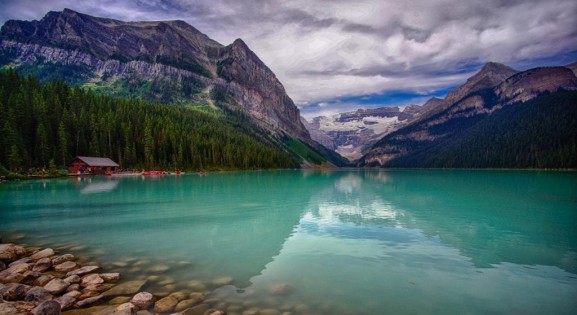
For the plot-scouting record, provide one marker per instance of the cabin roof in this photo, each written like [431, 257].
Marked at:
[97, 161]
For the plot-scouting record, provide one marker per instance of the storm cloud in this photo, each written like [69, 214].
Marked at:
[323, 51]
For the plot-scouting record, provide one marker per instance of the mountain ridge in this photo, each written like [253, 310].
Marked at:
[447, 120]
[160, 61]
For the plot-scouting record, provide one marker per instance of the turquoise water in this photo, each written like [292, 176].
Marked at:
[358, 242]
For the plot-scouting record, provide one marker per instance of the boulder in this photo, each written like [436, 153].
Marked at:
[65, 301]
[73, 279]
[19, 268]
[14, 291]
[48, 252]
[110, 277]
[88, 301]
[38, 295]
[99, 287]
[143, 300]
[126, 308]
[126, 288]
[74, 293]
[47, 308]
[30, 277]
[222, 281]
[19, 307]
[57, 260]
[43, 280]
[166, 304]
[197, 310]
[56, 286]
[73, 287]
[92, 278]
[11, 252]
[88, 294]
[19, 261]
[82, 271]
[184, 304]
[2, 265]
[66, 267]
[42, 265]
[9, 277]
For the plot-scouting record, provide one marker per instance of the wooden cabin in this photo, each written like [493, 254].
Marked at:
[92, 165]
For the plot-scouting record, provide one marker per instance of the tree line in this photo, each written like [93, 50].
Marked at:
[41, 123]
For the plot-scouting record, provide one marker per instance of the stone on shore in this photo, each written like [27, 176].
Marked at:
[56, 286]
[13, 291]
[38, 295]
[66, 266]
[8, 277]
[73, 279]
[47, 308]
[143, 300]
[82, 271]
[57, 260]
[48, 252]
[19, 268]
[92, 278]
[126, 288]
[110, 277]
[11, 252]
[65, 301]
[42, 265]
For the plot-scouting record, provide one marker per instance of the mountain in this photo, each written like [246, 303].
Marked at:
[161, 61]
[351, 133]
[460, 130]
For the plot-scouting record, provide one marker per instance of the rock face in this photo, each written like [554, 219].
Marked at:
[494, 87]
[167, 61]
[351, 133]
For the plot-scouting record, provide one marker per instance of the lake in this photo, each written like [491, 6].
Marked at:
[342, 242]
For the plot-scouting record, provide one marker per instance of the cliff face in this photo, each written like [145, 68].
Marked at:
[167, 61]
[257, 89]
[484, 94]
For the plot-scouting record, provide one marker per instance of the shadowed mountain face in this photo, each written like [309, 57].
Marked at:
[167, 61]
[455, 131]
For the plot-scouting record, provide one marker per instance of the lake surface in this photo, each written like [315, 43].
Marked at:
[343, 242]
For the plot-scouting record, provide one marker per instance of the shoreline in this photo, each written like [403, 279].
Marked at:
[42, 280]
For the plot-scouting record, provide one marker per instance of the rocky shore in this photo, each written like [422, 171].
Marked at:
[41, 281]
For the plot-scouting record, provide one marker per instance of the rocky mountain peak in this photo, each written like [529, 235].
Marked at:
[162, 60]
[490, 75]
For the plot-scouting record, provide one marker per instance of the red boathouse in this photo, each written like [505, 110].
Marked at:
[92, 165]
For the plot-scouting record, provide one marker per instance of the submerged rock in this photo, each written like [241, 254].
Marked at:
[222, 281]
[126, 288]
[166, 304]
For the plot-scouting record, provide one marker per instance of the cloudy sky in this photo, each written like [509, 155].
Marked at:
[340, 55]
